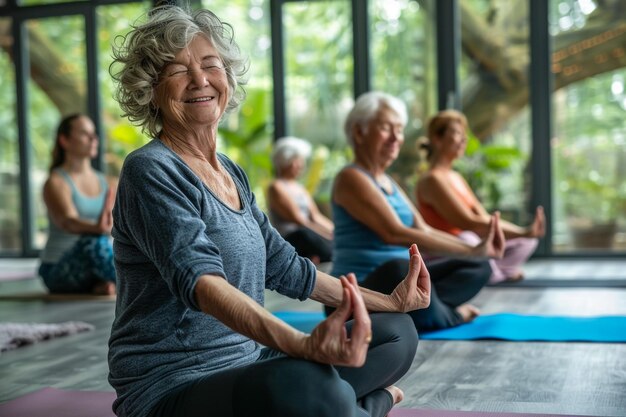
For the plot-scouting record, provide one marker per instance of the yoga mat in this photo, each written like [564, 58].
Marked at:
[410, 412]
[14, 335]
[45, 296]
[304, 321]
[505, 326]
[517, 327]
[53, 402]
[563, 283]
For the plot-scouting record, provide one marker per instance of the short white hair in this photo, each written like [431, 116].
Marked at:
[367, 107]
[287, 148]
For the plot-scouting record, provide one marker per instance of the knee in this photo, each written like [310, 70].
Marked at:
[299, 388]
[329, 396]
[401, 334]
[482, 273]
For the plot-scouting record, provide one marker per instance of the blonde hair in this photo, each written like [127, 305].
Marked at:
[437, 126]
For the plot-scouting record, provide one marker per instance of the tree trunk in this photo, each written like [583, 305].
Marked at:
[49, 70]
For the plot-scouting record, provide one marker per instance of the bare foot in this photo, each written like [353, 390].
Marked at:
[514, 278]
[104, 288]
[396, 393]
[468, 312]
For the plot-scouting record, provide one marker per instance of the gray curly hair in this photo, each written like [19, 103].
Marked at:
[139, 57]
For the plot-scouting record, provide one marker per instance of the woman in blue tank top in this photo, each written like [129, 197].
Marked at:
[375, 222]
[78, 256]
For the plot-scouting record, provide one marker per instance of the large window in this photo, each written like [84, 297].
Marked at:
[319, 87]
[10, 219]
[246, 135]
[403, 61]
[119, 136]
[322, 65]
[589, 144]
[494, 91]
[56, 47]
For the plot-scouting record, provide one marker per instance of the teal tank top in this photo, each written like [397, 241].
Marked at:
[89, 208]
[357, 248]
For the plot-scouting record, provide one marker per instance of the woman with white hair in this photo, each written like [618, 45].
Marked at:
[292, 210]
[374, 221]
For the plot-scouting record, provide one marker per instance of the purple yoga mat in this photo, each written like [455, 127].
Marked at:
[53, 402]
[411, 412]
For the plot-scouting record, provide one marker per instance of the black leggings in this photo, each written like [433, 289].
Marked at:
[280, 386]
[309, 244]
[454, 282]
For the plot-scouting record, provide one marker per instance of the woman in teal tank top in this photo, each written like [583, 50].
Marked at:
[78, 256]
[375, 222]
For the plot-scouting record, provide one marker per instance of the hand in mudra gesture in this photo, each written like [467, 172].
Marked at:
[329, 342]
[413, 293]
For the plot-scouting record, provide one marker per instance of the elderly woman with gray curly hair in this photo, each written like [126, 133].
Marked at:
[194, 255]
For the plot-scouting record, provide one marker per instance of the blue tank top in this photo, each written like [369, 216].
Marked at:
[357, 248]
[89, 208]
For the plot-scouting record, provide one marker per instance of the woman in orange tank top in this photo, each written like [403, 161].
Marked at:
[447, 202]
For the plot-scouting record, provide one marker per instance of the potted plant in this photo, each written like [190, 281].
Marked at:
[592, 196]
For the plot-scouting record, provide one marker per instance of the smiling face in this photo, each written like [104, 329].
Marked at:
[383, 137]
[193, 89]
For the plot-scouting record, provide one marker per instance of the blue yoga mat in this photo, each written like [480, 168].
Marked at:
[505, 326]
[304, 321]
[517, 327]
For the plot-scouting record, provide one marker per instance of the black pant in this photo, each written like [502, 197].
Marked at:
[308, 244]
[454, 282]
[280, 386]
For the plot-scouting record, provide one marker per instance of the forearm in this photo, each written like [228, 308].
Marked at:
[320, 229]
[432, 241]
[328, 291]
[215, 296]
[512, 230]
[78, 226]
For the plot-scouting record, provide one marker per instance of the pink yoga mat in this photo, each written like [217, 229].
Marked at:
[410, 412]
[53, 402]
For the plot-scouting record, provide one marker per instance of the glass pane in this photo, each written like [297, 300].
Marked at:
[41, 2]
[10, 219]
[57, 88]
[119, 135]
[246, 135]
[494, 92]
[319, 83]
[402, 55]
[589, 145]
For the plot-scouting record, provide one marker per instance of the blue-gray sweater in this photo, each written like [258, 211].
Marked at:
[169, 229]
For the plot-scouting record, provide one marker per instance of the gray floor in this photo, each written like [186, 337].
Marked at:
[560, 378]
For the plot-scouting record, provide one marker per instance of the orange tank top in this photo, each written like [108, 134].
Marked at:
[432, 216]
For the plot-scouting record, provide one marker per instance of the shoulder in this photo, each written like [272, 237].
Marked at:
[276, 186]
[55, 182]
[350, 177]
[154, 158]
[432, 180]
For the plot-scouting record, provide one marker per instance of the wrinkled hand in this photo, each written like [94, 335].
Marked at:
[538, 227]
[413, 293]
[492, 246]
[105, 222]
[329, 342]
